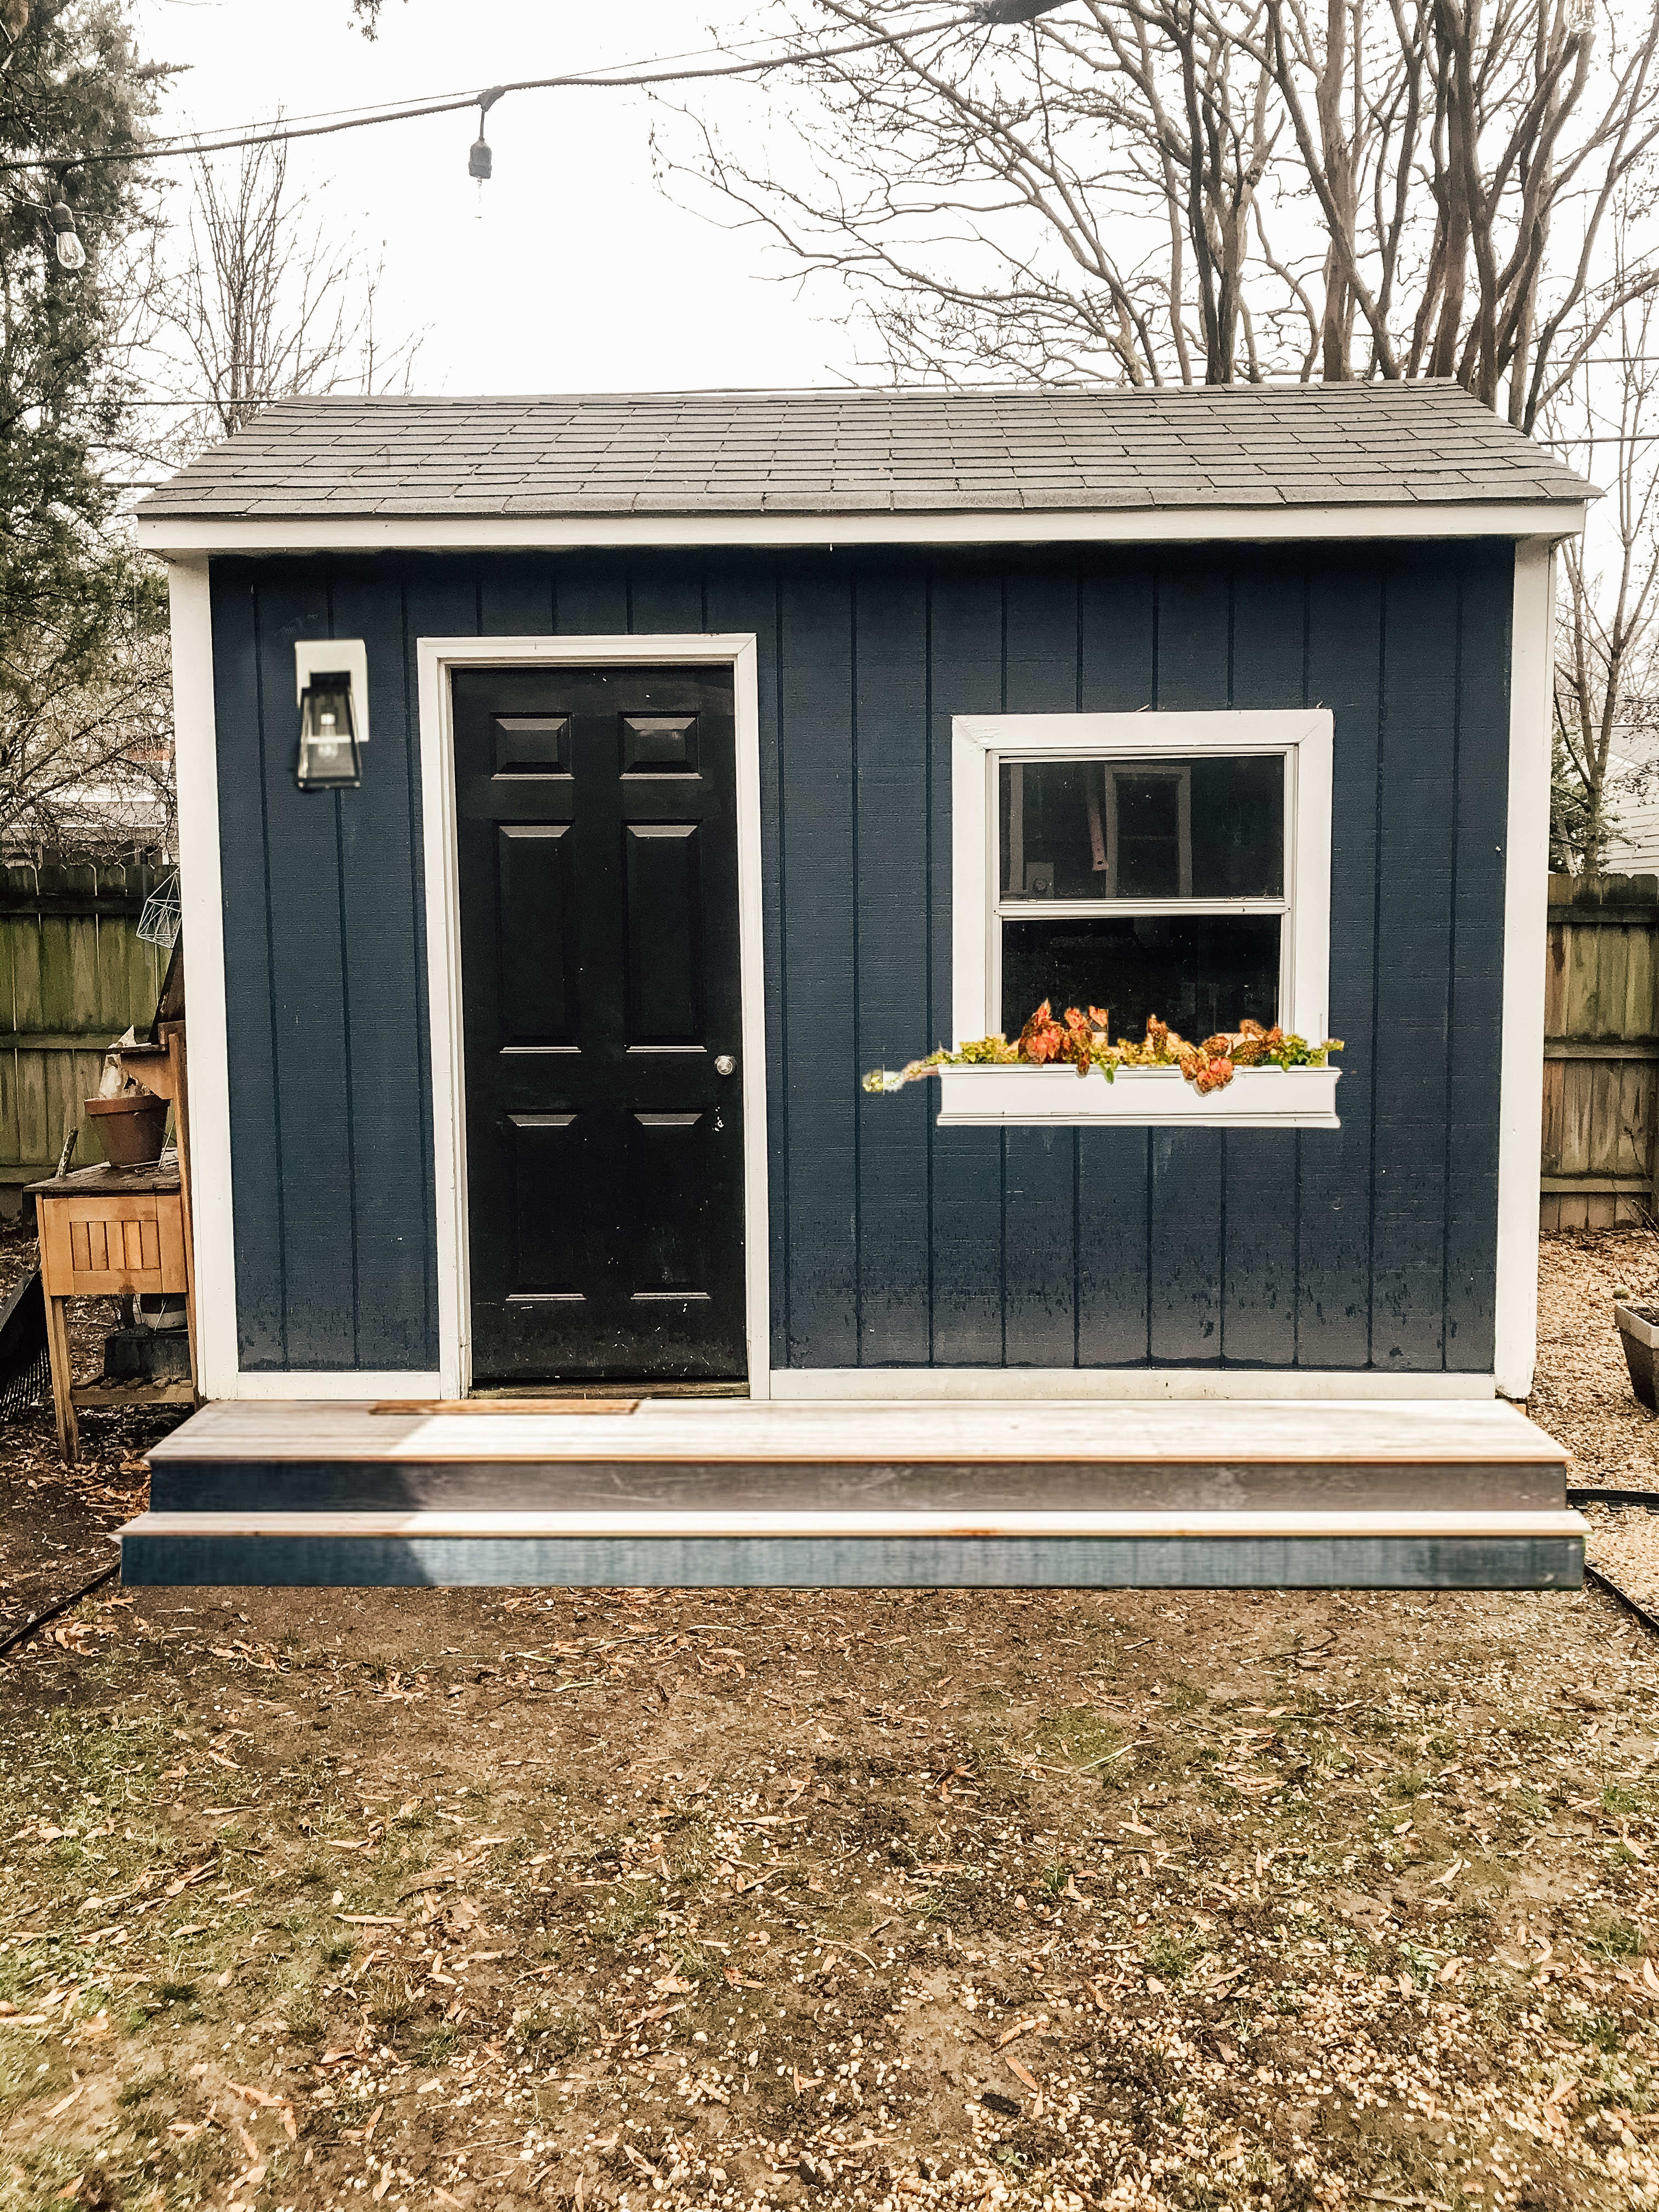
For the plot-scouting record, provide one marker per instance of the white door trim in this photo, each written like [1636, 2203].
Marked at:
[435, 658]
[1526, 938]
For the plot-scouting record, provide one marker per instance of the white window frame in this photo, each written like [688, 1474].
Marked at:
[982, 743]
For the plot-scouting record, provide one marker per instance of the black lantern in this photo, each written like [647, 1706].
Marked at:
[329, 756]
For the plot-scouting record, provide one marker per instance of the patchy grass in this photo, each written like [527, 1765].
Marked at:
[995, 1901]
[1346, 1924]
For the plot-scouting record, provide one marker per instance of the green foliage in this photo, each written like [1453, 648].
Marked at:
[81, 668]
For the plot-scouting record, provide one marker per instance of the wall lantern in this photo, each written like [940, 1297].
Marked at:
[329, 758]
[332, 679]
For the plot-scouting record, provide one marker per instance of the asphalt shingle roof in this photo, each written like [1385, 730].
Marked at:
[868, 452]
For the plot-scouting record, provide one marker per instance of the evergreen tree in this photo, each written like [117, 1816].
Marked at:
[77, 605]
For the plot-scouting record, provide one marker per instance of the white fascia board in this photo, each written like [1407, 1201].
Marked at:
[174, 537]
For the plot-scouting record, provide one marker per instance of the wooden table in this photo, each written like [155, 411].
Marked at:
[109, 1232]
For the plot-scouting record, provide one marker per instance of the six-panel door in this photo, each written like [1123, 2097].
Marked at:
[599, 895]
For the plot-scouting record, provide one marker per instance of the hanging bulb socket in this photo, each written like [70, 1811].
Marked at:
[71, 254]
[479, 159]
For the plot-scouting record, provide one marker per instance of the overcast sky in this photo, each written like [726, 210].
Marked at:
[570, 271]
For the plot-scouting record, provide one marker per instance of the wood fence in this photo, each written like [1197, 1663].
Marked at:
[1600, 1052]
[73, 976]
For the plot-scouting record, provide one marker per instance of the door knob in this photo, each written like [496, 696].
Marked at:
[725, 1065]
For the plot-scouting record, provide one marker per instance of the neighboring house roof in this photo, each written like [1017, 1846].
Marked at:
[832, 452]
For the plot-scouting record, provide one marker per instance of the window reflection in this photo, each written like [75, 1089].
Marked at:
[1211, 828]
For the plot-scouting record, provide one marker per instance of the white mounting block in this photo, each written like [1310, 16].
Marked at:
[333, 654]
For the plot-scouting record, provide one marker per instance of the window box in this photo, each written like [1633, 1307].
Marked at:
[1139, 1097]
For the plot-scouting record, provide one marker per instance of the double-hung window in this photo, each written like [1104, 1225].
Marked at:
[1168, 865]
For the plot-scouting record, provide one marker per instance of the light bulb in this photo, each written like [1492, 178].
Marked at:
[71, 254]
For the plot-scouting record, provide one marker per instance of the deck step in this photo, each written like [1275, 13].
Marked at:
[1292, 1495]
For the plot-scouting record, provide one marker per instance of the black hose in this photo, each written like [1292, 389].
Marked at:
[21, 1635]
[1619, 1597]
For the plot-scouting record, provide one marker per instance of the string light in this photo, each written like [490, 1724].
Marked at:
[71, 254]
[479, 160]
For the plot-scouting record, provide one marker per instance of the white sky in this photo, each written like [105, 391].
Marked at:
[581, 274]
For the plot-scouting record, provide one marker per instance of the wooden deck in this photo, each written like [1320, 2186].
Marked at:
[719, 1493]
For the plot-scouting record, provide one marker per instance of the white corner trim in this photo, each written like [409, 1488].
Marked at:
[1526, 936]
[196, 767]
[979, 742]
[335, 655]
[174, 536]
[836, 1385]
[435, 657]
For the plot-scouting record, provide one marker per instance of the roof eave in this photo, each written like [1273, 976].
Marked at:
[179, 536]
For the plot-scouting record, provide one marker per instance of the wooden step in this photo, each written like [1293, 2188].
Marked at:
[1291, 1494]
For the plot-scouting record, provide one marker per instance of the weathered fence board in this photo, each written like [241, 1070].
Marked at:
[1600, 1052]
[73, 976]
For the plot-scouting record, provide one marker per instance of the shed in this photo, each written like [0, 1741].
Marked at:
[717, 747]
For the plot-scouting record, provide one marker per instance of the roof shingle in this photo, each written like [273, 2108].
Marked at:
[1265, 446]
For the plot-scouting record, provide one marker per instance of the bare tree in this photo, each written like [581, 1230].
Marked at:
[86, 767]
[267, 306]
[1607, 646]
[1201, 190]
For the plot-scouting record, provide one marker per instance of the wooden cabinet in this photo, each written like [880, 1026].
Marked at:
[109, 1232]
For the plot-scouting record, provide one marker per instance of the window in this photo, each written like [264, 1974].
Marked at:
[1173, 864]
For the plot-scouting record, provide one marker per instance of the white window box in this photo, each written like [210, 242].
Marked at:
[1139, 1098]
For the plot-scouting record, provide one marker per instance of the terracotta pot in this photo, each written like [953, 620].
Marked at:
[130, 1128]
[1640, 1336]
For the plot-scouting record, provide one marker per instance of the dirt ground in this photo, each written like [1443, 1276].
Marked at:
[886, 1899]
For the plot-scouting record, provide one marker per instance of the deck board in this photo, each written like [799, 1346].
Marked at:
[1398, 1433]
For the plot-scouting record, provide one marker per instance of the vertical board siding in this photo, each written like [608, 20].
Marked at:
[382, 985]
[893, 1243]
[964, 676]
[1417, 791]
[817, 656]
[889, 704]
[306, 953]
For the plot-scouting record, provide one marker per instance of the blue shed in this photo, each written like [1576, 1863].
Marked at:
[712, 749]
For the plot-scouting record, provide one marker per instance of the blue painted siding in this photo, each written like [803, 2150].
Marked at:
[893, 1243]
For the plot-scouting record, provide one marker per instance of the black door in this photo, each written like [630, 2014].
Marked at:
[599, 888]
